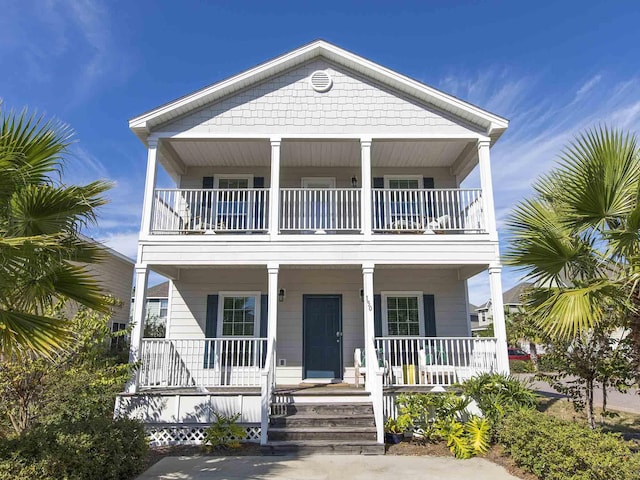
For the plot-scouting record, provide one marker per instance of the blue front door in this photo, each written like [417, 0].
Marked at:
[322, 336]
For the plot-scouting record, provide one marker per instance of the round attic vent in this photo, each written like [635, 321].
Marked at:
[320, 81]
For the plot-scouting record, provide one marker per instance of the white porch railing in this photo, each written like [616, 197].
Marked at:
[267, 387]
[429, 211]
[219, 362]
[219, 210]
[435, 361]
[321, 209]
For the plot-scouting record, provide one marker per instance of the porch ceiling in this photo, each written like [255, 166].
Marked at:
[316, 153]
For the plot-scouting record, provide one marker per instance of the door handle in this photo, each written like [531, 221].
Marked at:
[338, 336]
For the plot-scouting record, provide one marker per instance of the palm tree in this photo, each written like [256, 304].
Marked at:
[40, 243]
[578, 237]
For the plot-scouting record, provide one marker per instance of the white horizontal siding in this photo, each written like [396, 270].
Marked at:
[290, 177]
[115, 277]
[287, 104]
[188, 305]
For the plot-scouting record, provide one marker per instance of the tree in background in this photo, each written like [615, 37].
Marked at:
[40, 220]
[577, 239]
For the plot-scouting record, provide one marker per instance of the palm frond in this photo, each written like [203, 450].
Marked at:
[23, 333]
[567, 311]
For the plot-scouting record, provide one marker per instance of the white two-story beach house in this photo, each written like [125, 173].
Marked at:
[318, 245]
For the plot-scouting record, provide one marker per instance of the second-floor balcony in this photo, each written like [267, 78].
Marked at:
[318, 211]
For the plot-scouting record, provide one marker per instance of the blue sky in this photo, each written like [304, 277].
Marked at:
[552, 68]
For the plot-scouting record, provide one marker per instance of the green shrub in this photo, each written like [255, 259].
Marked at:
[224, 432]
[521, 366]
[98, 449]
[554, 449]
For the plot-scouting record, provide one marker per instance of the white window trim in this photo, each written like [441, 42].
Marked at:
[419, 295]
[233, 176]
[404, 177]
[256, 319]
[331, 180]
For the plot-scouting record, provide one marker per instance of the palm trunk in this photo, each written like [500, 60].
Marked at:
[605, 382]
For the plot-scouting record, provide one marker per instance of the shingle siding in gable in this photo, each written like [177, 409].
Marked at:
[288, 104]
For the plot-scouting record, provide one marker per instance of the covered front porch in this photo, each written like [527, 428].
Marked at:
[217, 335]
[381, 326]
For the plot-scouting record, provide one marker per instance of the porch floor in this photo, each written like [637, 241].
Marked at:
[302, 389]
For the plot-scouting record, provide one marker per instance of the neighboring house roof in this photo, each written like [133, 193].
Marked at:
[491, 123]
[159, 291]
[513, 296]
[108, 249]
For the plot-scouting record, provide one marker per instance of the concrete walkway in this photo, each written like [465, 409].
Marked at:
[321, 467]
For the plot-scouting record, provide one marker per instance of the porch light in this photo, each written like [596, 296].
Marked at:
[354, 181]
[281, 295]
[361, 295]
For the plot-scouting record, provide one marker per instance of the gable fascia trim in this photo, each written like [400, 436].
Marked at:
[143, 124]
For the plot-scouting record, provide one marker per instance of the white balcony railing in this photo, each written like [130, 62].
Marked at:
[219, 210]
[436, 361]
[324, 210]
[219, 362]
[320, 210]
[429, 210]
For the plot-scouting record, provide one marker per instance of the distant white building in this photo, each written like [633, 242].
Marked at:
[114, 274]
[512, 300]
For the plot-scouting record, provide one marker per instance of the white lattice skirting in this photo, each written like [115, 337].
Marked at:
[190, 434]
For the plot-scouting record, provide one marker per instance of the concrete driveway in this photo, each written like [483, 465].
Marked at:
[321, 467]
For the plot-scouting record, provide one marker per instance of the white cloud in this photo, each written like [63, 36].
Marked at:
[46, 40]
[124, 242]
[588, 85]
[543, 121]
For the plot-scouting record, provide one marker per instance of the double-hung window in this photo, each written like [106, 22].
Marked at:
[405, 206]
[238, 314]
[233, 205]
[403, 314]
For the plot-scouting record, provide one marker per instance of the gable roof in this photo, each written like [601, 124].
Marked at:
[158, 291]
[492, 124]
[513, 296]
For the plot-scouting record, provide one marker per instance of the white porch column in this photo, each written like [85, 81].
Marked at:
[365, 203]
[139, 310]
[272, 317]
[274, 191]
[484, 164]
[268, 381]
[369, 329]
[499, 326]
[149, 187]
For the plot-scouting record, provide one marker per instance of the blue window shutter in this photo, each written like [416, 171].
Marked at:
[377, 315]
[207, 184]
[210, 329]
[264, 315]
[427, 182]
[429, 316]
[378, 206]
[258, 182]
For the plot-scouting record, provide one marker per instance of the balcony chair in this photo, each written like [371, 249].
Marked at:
[359, 364]
[434, 365]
